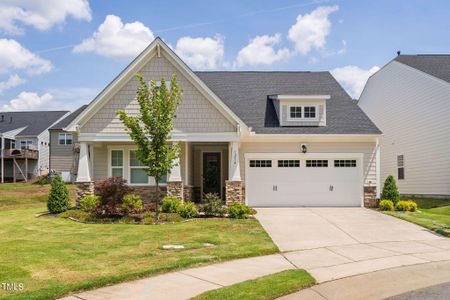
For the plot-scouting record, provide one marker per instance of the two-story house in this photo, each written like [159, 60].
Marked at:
[24, 142]
[409, 100]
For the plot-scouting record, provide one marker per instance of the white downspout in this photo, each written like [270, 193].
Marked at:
[3, 160]
[378, 167]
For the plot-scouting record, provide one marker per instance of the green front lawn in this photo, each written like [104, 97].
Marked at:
[433, 214]
[267, 287]
[55, 256]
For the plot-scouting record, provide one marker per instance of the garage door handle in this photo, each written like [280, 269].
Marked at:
[331, 188]
[275, 188]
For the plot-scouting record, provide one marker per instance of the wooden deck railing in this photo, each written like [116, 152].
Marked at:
[17, 153]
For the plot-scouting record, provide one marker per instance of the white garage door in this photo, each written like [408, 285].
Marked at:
[272, 182]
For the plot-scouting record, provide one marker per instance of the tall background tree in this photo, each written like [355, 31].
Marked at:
[151, 129]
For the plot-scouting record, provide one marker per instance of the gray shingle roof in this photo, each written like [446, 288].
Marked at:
[436, 65]
[246, 94]
[35, 121]
[66, 121]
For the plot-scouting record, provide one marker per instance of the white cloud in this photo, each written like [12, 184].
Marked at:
[311, 30]
[353, 78]
[15, 57]
[201, 53]
[343, 49]
[260, 51]
[29, 101]
[13, 81]
[40, 14]
[115, 39]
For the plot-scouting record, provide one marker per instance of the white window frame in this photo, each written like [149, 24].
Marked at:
[289, 118]
[111, 167]
[126, 166]
[65, 138]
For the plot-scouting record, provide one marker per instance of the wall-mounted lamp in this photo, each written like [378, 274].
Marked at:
[304, 148]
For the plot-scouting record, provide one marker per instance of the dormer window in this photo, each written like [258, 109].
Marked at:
[302, 112]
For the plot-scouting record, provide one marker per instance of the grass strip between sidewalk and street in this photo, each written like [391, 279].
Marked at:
[267, 287]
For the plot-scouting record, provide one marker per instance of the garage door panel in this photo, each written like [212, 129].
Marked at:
[304, 186]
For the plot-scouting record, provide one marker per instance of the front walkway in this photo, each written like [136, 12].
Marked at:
[332, 244]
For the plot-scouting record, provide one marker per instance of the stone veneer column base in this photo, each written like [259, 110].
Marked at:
[233, 191]
[370, 194]
[175, 189]
[84, 189]
[188, 193]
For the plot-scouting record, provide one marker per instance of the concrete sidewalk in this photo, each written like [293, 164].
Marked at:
[378, 285]
[326, 264]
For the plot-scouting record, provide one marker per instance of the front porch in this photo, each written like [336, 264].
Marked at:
[203, 167]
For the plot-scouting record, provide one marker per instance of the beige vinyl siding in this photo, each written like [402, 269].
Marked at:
[100, 168]
[412, 110]
[196, 113]
[61, 158]
[368, 149]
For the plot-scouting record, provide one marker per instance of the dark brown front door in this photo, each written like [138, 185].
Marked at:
[211, 172]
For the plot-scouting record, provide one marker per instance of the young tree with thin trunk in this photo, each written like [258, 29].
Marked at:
[151, 129]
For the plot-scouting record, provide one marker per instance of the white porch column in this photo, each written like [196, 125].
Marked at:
[235, 169]
[175, 172]
[84, 168]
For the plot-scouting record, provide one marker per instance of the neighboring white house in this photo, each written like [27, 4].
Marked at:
[266, 138]
[409, 100]
[24, 143]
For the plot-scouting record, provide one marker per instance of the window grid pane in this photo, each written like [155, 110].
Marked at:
[296, 112]
[117, 158]
[317, 163]
[345, 163]
[134, 161]
[309, 112]
[260, 164]
[291, 163]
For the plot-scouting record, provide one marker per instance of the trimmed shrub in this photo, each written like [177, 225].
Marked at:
[238, 210]
[111, 192]
[386, 205]
[58, 199]
[132, 203]
[170, 204]
[89, 203]
[212, 205]
[390, 191]
[187, 210]
[42, 180]
[406, 205]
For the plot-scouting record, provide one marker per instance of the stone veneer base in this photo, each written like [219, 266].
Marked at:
[370, 194]
[175, 189]
[84, 189]
[233, 191]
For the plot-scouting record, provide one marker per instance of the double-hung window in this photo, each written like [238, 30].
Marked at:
[302, 112]
[138, 174]
[65, 138]
[117, 163]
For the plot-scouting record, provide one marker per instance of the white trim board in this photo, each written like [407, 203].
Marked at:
[182, 137]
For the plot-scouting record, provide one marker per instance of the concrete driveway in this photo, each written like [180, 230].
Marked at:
[309, 228]
[333, 243]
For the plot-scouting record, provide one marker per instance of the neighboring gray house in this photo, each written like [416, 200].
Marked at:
[266, 138]
[409, 100]
[64, 148]
[24, 143]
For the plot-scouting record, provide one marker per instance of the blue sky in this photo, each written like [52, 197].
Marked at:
[59, 54]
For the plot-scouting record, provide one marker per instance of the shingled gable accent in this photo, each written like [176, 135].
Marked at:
[155, 49]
